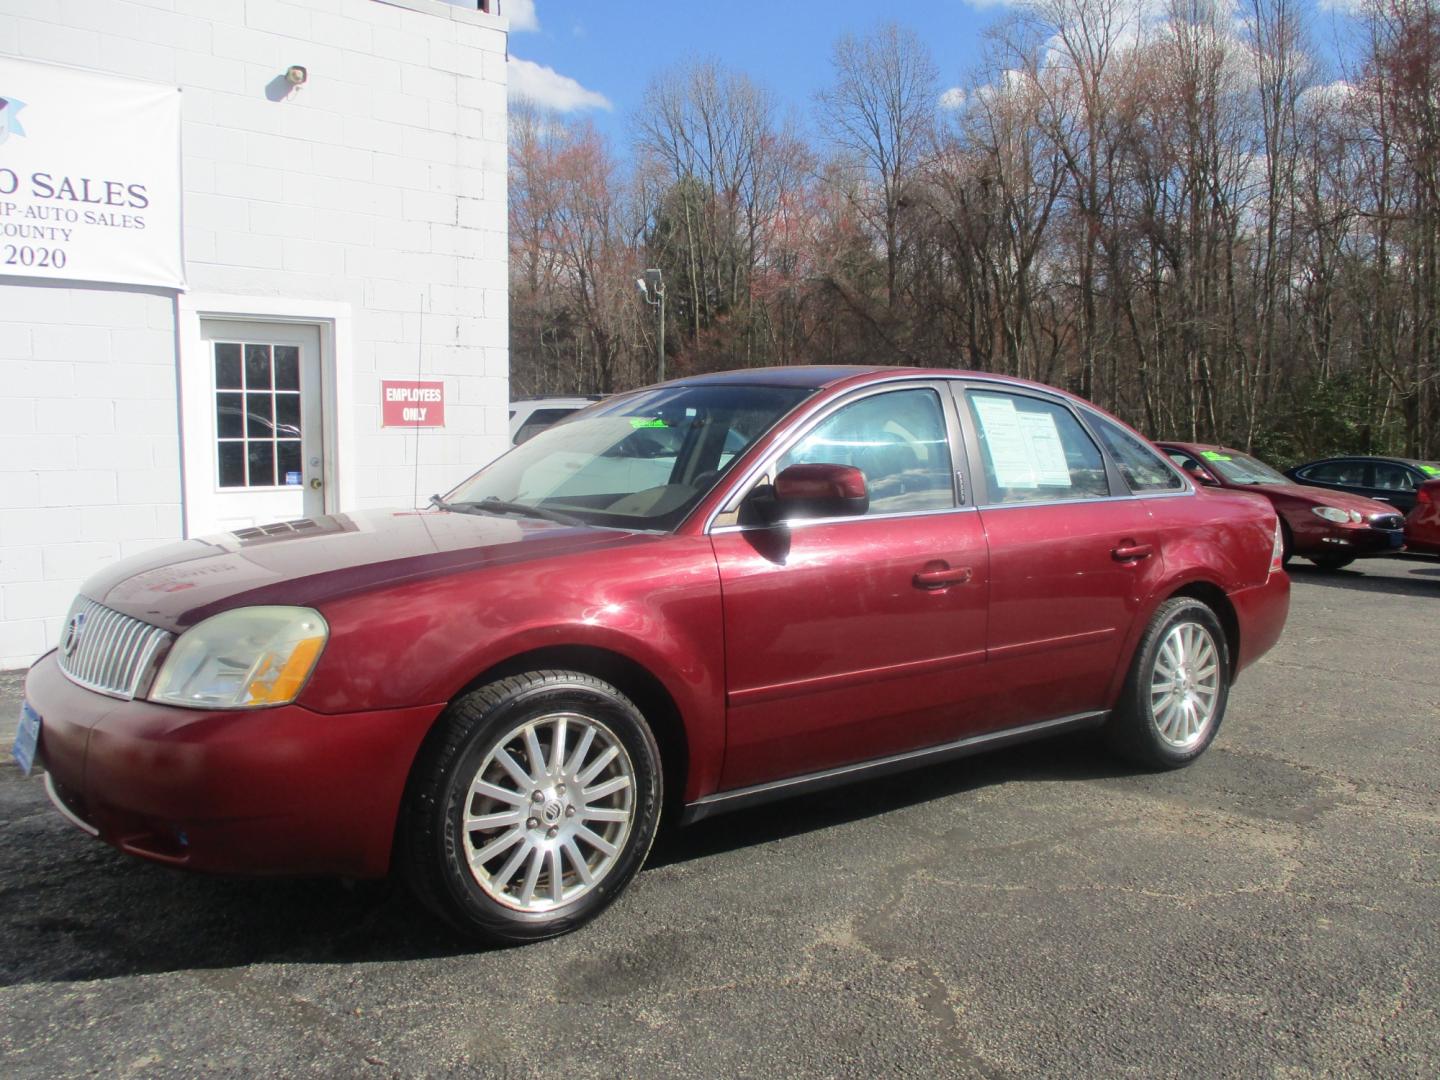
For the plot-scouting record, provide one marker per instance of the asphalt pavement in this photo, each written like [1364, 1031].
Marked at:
[1274, 910]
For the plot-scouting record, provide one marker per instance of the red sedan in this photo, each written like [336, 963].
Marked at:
[698, 596]
[1422, 524]
[1330, 528]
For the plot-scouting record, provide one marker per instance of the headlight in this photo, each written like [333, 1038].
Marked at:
[248, 658]
[1335, 514]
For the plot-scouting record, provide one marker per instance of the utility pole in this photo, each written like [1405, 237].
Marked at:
[652, 289]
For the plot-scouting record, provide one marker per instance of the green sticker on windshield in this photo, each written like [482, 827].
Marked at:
[1430, 470]
[1211, 455]
[644, 422]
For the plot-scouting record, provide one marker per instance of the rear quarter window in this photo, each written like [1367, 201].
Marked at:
[1143, 469]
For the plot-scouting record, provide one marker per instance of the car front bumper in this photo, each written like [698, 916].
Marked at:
[269, 791]
[1325, 538]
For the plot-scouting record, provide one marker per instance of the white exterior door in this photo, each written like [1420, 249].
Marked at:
[262, 439]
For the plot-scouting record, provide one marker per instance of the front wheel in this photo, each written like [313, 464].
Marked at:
[1331, 562]
[1175, 694]
[532, 805]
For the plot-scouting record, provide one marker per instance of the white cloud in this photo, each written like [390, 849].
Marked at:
[1344, 7]
[953, 99]
[549, 89]
[521, 14]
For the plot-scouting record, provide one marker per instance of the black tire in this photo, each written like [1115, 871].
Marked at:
[1331, 562]
[1287, 544]
[1134, 730]
[434, 848]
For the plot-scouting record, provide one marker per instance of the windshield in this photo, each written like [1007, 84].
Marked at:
[641, 461]
[1240, 468]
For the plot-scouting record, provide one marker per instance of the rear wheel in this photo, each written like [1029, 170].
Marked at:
[531, 806]
[1331, 562]
[1175, 694]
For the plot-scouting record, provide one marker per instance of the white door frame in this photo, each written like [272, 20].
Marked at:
[197, 446]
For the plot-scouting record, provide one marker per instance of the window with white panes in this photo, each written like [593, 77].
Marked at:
[257, 414]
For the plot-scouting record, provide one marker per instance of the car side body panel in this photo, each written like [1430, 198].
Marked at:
[654, 602]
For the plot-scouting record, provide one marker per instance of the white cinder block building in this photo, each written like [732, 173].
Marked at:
[252, 268]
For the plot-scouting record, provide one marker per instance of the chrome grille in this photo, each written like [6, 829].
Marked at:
[105, 651]
[1387, 521]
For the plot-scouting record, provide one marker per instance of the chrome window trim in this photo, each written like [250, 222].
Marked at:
[1127, 497]
[966, 484]
[806, 523]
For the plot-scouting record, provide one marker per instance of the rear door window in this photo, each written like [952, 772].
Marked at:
[1393, 477]
[1349, 473]
[1034, 450]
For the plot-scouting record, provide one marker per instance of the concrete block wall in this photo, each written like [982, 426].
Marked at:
[379, 184]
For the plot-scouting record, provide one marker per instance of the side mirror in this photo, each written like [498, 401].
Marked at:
[820, 490]
[1200, 476]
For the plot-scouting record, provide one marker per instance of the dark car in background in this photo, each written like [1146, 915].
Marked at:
[1390, 480]
[1422, 526]
[1330, 528]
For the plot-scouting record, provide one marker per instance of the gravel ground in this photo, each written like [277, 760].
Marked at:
[1272, 910]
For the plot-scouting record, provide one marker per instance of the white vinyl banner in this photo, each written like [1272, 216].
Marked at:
[89, 176]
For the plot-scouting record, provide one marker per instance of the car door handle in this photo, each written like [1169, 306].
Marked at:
[942, 576]
[1130, 552]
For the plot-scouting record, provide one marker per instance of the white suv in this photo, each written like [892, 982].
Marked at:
[530, 415]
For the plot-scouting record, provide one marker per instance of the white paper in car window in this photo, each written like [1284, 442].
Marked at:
[1047, 452]
[1009, 452]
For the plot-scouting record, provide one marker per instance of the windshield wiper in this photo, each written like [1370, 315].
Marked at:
[492, 505]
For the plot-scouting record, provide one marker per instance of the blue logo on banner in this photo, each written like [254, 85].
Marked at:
[10, 118]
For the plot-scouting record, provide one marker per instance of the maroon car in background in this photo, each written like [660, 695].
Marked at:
[1422, 524]
[1330, 528]
[698, 596]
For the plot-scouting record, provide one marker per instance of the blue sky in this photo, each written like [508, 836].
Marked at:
[594, 59]
[611, 50]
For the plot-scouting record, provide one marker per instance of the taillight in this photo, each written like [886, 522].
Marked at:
[1277, 552]
[1423, 495]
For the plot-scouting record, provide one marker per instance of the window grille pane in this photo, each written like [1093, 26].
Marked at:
[257, 367]
[232, 464]
[287, 367]
[288, 470]
[262, 464]
[227, 365]
[259, 416]
[229, 416]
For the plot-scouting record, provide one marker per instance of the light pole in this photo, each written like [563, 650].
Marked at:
[652, 289]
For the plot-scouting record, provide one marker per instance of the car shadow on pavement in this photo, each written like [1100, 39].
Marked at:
[1421, 576]
[72, 909]
[1075, 757]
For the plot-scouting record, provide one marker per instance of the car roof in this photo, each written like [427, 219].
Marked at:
[1198, 447]
[1412, 462]
[820, 377]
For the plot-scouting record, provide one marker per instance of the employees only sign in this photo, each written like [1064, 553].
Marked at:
[412, 404]
[89, 176]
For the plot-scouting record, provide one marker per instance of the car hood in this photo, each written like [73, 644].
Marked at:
[309, 562]
[1316, 496]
